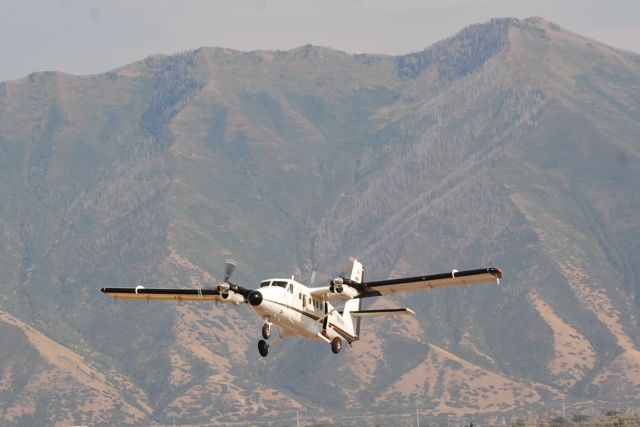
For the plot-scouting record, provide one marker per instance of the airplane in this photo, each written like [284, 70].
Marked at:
[307, 312]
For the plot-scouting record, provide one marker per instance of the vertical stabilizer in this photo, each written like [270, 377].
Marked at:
[354, 271]
[352, 322]
[357, 325]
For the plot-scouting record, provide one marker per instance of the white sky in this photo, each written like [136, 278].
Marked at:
[91, 36]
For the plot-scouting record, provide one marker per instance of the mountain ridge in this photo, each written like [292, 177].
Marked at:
[523, 156]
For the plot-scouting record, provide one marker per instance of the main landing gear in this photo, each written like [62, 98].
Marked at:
[263, 345]
[336, 345]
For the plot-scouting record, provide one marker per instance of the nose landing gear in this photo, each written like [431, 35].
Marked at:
[263, 348]
[266, 331]
[263, 345]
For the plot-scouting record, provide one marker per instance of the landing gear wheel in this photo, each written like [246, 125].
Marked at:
[263, 348]
[336, 345]
[266, 331]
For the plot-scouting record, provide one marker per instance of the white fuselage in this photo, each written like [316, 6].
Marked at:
[289, 305]
[301, 311]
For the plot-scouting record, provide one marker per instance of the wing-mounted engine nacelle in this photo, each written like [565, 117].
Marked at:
[342, 289]
[223, 288]
[335, 286]
[228, 295]
[233, 298]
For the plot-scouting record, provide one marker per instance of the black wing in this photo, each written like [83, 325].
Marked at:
[142, 293]
[407, 284]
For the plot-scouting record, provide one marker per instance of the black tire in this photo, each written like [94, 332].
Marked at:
[266, 331]
[263, 348]
[336, 345]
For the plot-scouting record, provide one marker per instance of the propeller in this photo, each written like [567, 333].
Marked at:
[343, 277]
[345, 271]
[312, 282]
[224, 288]
[229, 266]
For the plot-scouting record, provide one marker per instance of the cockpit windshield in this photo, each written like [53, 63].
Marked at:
[279, 283]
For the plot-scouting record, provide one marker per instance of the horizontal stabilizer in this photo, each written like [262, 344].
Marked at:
[383, 312]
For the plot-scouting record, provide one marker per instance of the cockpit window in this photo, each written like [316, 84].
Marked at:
[265, 283]
[279, 283]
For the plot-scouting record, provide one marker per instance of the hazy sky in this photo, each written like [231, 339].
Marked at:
[91, 36]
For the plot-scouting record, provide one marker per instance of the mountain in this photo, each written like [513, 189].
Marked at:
[512, 144]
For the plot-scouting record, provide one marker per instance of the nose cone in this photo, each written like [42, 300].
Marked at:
[255, 298]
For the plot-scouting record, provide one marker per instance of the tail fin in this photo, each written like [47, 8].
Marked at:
[351, 321]
[353, 271]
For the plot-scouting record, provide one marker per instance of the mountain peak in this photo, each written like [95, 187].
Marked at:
[461, 54]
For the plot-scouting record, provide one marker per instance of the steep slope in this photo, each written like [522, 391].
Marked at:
[513, 143]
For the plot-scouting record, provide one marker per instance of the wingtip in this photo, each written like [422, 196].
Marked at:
[496, 272]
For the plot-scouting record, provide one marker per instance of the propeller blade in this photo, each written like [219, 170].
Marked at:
[226, 286]
[229, 266]
[313, 278]
[345, 271]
